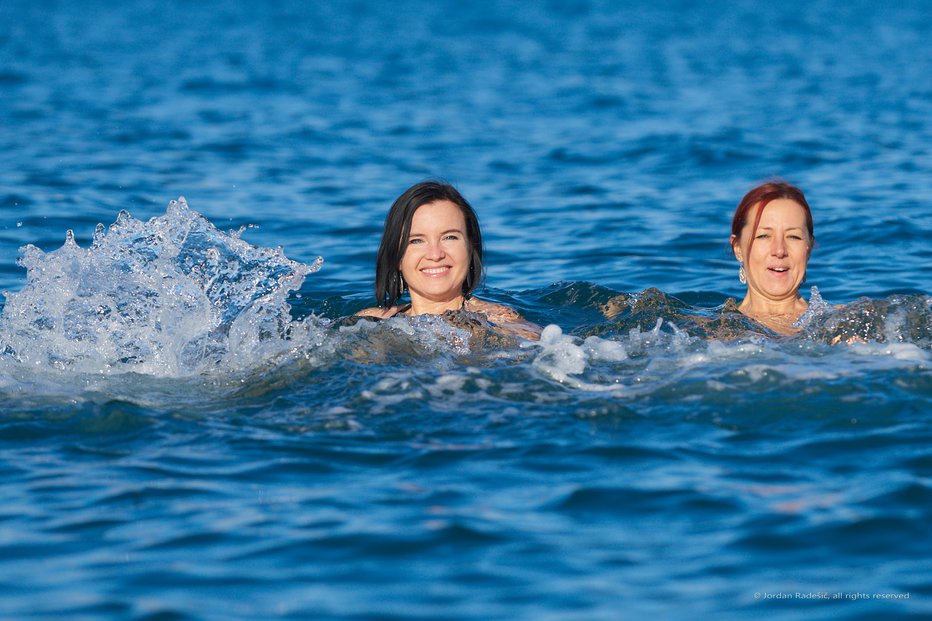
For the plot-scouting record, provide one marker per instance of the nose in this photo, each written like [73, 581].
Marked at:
[435, 252]
[778, 247]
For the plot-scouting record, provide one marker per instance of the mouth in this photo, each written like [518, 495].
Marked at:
[434, 272]
[779, 270]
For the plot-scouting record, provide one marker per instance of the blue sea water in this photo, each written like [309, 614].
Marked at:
[190, 428]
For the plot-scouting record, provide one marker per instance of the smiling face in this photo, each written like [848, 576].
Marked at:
[436, 257]
[775, 263]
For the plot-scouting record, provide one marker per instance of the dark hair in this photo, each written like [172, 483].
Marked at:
[762, 195]
[388, 282]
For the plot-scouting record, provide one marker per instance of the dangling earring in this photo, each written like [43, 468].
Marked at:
[401, 285]
[742, 276]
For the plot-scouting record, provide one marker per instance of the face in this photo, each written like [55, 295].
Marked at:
[776, 266]
[436, 256]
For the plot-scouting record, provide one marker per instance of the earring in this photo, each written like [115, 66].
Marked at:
[742, 276]
[401, 285]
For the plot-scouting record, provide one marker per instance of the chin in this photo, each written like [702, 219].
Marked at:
[784, 293]
[439, 294]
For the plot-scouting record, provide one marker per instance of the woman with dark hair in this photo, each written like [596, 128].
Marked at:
[432, 248]
[772, 238]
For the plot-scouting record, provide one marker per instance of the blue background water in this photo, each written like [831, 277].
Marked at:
[604, 146]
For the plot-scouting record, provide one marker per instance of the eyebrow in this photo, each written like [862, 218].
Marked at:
[770, 228]
[442, 233]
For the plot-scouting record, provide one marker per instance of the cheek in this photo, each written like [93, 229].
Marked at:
[464, 253]
[407, 261]
[765, 247]
[459, 251]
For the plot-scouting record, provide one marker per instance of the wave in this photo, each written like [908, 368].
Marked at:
[175, 297]
[896, 319]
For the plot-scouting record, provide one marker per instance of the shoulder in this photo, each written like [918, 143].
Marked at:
[491, 309]
[378, 312]
[506, 318]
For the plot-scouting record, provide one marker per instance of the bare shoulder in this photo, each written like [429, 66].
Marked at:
[506, 318]
[378, 312]
[491, 309]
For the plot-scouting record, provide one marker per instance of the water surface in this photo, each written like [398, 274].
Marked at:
[190, 429]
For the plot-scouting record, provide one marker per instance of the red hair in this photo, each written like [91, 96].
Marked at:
[761, 196]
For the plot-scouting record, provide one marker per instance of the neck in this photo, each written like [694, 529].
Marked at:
[778, 315]
[425, 306]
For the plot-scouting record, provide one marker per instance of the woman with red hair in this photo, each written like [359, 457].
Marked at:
[772, 238]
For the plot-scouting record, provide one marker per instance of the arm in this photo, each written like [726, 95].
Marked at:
[378, 312]
[505, 318]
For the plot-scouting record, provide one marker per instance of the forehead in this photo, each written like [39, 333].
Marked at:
[440, 215]
[783, 211]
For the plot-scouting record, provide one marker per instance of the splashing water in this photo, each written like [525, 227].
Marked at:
[897, 319]
[176, 297]
[173, 296]
[817, 308]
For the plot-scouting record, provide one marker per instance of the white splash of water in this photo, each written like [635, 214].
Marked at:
[817, 308]
[562, 357]
[173, 296]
